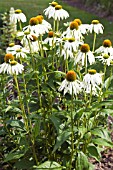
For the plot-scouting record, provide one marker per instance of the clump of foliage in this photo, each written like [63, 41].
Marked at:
[54, 100]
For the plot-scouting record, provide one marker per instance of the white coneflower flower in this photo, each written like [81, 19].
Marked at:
[49, 12]
[37, 25]
[29, 41]
[18, 16]
[66, 53]
[73, 31]
[43, 21]
[105, 48]
[92, 81]
[85, 53]
[17, 50]
[10, 66]
[60, 13]
[34, 46]
[71, 85]
[21, 52]
[72, 44]
[82, 27]
[12, 47]
[96, 27]
[105, 58]
[51, 39]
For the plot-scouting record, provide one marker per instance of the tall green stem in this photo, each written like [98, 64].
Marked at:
[38, 90]
[105, 66]
[54, 25]
[21, 104]
[25, 89]
[25, 119]
[20, 25]
[94, 40]
[85, 64]
[72, 132]
[57, 25]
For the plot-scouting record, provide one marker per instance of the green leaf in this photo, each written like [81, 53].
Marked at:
[108, 82]
[36, 128]
[103, 103]
[24, 164]
[60, 72]
[8, 108]
[16, 123]
[49, 165]
[13, 156]
[102, 142]
[78, 114]
[94, 152]
[97, 132]
[82, 162]
[61, 139]
[56, 122]
[108, 111]
[13, 109]
[46, 47]
[103, 133]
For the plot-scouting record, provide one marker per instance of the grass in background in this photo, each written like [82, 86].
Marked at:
[34, 7]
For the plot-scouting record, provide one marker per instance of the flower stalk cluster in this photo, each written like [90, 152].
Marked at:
[59, 92]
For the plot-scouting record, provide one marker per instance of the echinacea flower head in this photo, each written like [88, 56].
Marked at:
[29, 41]
[82, 27]
[40, 18]
[107, 43]
[78, 21]
[85, 48]
[10, 66]
[106, 48]
[17, 50]
[8, 58]
[34, 44]
[71, 85]
[96, 27]
[73, 31]
[111, 62]
[66, 54]
[51, 39]
[71, 76]
[21, 53]
[71, 44]
[92, 81]
[16, 68]
[51, 34]
[12, 47]
[74, 25]
[37, 25]
[33, 21]
[83, 54]
[105, 59]
[18, 16]
[49, 12]
[53, 3]
[60, 13]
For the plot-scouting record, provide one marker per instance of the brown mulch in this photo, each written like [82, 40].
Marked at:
[106, 162]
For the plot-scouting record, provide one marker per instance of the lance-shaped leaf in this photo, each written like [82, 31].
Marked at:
[62, 137]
